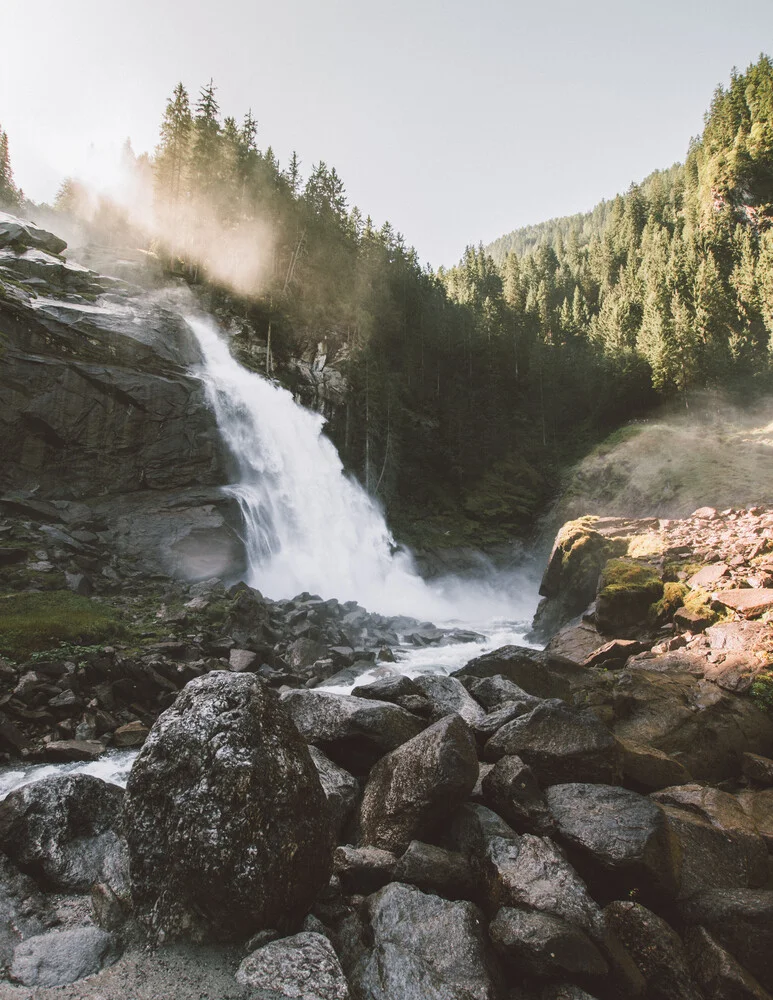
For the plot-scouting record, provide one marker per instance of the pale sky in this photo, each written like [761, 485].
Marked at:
[456, 121]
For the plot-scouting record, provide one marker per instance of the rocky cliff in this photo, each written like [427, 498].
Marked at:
[104, 429]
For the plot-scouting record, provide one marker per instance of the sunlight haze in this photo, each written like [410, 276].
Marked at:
[457, 123]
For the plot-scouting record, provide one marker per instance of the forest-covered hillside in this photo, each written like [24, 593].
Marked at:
[470, 388]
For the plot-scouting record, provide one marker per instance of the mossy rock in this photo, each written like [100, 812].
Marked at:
[628, 590]
[674, 596]
[32, 622]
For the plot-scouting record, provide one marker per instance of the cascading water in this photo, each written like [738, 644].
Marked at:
[309, 526]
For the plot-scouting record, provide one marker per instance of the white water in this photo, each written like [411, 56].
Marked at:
[309, 526]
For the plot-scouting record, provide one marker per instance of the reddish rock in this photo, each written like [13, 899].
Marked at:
[705, 514]
[748, 602]
[708, 576]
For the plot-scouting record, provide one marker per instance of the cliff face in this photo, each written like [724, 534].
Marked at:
[99, 412]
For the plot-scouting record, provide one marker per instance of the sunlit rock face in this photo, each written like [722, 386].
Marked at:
[98, 407]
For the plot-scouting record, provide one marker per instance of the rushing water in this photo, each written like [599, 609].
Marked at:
[309, 526]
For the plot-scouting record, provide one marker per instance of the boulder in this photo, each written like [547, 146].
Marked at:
[715, 970]
[510, 789]
[618, 832]
[741, 921]
[354, 732]
[649, 769]
[532, 670]
[719, 844]
[543, 945]
[471, 830]
[494, 692]
[758, 806]
[560, 744]
[227, 823]
[342, 790]
[485, 728]
[413, 790]
[425, 946]
[531, 873]
[24, 911]
[65, 832]
[448, 695]
[758, 769]
[363, 870]
[627, 590]
[303, 966]
[656, 950]
[435, 870]
[18, 234]
[59, 957]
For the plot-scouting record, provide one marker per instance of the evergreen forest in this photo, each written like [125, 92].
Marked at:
[471, 388]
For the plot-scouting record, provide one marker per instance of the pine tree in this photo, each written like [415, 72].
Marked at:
[9, 193]
[173, 152]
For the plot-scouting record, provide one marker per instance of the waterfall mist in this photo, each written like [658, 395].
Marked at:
[308, 525]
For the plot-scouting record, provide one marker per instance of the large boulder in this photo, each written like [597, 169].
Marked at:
[543, 945]
[531, 873]
[719, 844]
[354, 732]
[560, 744]
[303, 966]
[341, 789]
[510, 789]
[59, 957]
[448, 695]
[535, 672]
[741, 920]
[65, 831]
[412, 791]
[19, 234]
[227, 823]
[656, 950]
[425, 947]
[617, 832]
[716, 971]
[24, 911]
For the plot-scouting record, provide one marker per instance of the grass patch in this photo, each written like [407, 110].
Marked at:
[33, 622]
[618, 437]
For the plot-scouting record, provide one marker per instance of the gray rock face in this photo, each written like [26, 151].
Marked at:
[533, 671]
[18, 234]
[531, 873]
[425, 948]
[65, 832]
[493, 692]
[342, 790]
[621, 831]
[412, 791]
[544, 945]
[560, 744]
[472, 828]
[60, 957]
[354, 732]
[655, 948]
[433, 869]
[363, 869]
[303, 967]
[227, 823]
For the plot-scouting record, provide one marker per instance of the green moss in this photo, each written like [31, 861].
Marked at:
[628, 591]
[618, 437]
[33, 622]
[761, 691]
[674, 595]
[626, 575]
[698, 602]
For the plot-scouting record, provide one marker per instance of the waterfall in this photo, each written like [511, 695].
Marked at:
[308, 526]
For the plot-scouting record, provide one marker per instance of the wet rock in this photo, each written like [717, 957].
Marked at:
[435, 870]
[576, 642]
[510, 789]
[59, 957]
[354, 732]
[363, 869]
[543, 945]
[448, 695]
[535, 672]
[472, 828]
[65, 832]
[18, 234]
[303, 966]
[388, 688]
[560, 744]
[720, 846]
[651, 769]
[741, 920]
[655, 948]
[412, 791]
[564, 991]
[715, 970]
[495, 692]
[227, 823]
[531, 873]
[485, 728]
[342, 790]
[623, 833]
[758, 806]
[73, 750]
[425, 946]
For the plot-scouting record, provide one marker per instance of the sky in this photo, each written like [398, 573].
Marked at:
[457, 122]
